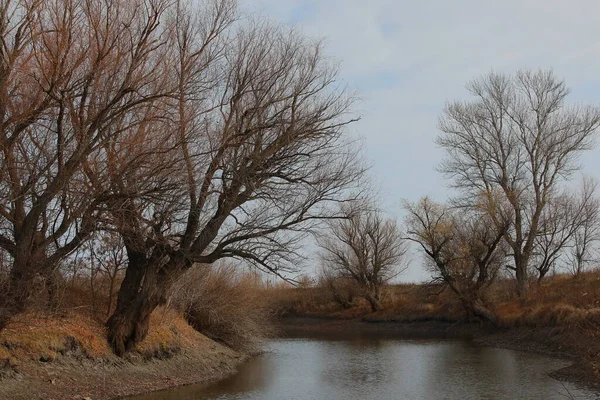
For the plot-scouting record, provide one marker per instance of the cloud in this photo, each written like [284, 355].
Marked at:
[407, 58]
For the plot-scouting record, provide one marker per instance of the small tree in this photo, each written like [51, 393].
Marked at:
[366, 248]
[569, 222]
[108, 256]
[585, 240]
[464, 249]
[342, 290]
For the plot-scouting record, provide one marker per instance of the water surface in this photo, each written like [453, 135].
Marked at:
[385, 368]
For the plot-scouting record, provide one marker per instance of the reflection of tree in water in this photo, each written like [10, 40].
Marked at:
[371, 368]
[252, 376]
[358, 363]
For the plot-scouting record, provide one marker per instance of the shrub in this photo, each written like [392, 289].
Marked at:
[225, 305]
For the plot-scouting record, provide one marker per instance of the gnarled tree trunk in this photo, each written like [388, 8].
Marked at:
[145, 287]
[374, 299]
[479, 310]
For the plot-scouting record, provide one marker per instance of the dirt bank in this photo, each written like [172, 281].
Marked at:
[68, 358]
[110, 379]
[570, 344]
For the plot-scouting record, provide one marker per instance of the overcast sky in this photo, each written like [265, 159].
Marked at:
[407, 58]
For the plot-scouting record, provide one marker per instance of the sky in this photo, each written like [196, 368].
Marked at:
[407, 58]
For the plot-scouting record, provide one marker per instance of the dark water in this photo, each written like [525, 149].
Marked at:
[385, 368]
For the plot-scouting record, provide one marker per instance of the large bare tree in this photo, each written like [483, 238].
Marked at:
[365, 248]
[518, 139]
[257, 157]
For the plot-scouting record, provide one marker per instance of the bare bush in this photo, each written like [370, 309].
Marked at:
[365, 248]
[225, 305]
[464, 250]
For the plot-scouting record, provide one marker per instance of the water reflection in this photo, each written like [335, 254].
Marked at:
[385, 368]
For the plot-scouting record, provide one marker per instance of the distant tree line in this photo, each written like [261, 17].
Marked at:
[511, 154]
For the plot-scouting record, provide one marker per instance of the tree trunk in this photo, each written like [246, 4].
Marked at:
[473, 305]
[482, 312]
[144, 288]
[374, 300]
[128, 326]
[111, 293]
[521, 275]
[53, 289]
[14, 301]
[541, 276]
[129, 323]
[133, 308]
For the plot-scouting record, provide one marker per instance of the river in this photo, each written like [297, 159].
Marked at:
[385, 368]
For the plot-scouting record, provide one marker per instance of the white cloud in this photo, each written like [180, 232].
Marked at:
[408, 57]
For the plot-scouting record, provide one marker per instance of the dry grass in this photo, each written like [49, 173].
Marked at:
[403, 302]
[561, 300]
[227, 306]
[43, 337]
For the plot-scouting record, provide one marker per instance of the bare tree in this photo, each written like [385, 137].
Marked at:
[260, 158]
[517, 139]
[343, 290]
[565, 222]
[69, 69]
[585, 240]
[465, 250]
[366, 248]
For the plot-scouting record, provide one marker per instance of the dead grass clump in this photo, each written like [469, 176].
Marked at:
[228, 307]
[560, 300]
[169, 333]
[302, 301]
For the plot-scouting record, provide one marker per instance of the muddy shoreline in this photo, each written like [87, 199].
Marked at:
[115, 378]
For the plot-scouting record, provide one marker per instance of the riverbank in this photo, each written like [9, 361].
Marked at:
[569, 344]
[67, 357]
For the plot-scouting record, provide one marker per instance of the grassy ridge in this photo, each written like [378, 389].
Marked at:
[214, 320]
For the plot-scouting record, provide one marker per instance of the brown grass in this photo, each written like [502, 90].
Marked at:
[227, 306]
[44, 337]
[561, 300]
